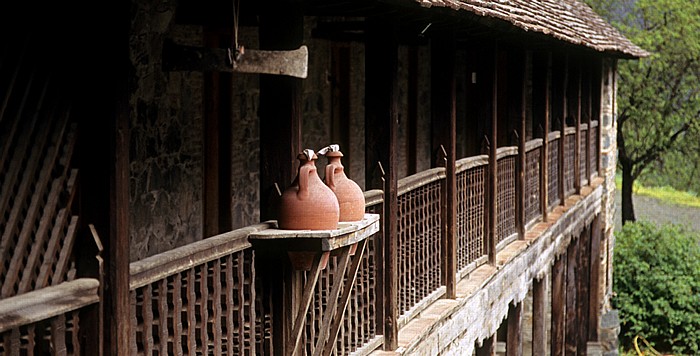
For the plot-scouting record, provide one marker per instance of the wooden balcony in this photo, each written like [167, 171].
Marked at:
[219, 295]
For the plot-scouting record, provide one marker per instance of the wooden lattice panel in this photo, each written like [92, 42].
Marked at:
[593, 149]
[419, 231]
[532, 194]
[583, 144]
[569, 149]
[506, 198]
[471, 190]
[54, 336]
[553, 174]
[207, 309]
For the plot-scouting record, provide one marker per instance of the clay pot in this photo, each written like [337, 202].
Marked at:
[350, 197]
[308, 204]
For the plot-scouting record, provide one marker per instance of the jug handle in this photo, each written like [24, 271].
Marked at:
[304, 172]
[330, 176]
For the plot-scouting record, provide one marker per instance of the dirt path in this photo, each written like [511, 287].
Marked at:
[660, 212]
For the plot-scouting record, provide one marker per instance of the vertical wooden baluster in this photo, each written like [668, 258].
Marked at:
[241, 299]
[230, 288]
[58, 335]
[216, 304]
[204, 307]
[147, 312]
[191, 313]
[75, 341]
[177, 314]
[251, 337]
[163, 315]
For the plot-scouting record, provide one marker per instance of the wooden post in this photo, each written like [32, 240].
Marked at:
[544, 156]
[589, 114]
[514, 345]
[443, 106]
[493, 166]
[562, 135]
[488, 348]
[413, 101]
[281, 28]
[217, 144]
[571, 327]
[522, 160]
[577, 137]
[381, 127]
[594, 291]
[583, 287]
[539, 317]
[558, 305]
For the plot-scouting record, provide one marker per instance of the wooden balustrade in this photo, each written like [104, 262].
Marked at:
[419, 234]
[46, 321]
[582, 149]
[471, 193]
[506, 207]
[532, 194]
[553, 174]
[569, 149]
[593, 148]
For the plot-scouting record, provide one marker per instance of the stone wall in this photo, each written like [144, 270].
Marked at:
[166, 141]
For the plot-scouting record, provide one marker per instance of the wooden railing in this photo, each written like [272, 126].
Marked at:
[47, 321]
[593, 148]
[553, 174]
[507, 228]
[419, 234]
[200, 299]
[569, 151]
[532, 196]
[471, 194]
[582, 151]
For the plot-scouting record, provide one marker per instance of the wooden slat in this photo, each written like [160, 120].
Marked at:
[204, 308]
[217, 311]
[163, 313]
[58, 335]
[133, 348]
[228, 294]
[177, 314]
[46, 303]
[191, 313]
[240, 269]
[75, 340]
[52, 248]
[147, 314]
[64, 257]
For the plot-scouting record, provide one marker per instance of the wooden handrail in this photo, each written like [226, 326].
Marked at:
[553, 136]
[463, 164]
[45, 303]
[373, 197]
[594, 123]
[570, 131]
[533, 144]
[420, 179]
[506, 151]
[157, 267]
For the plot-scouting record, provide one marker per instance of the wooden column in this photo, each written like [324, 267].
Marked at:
[381, 127]
[281, 28]
[544, 156]
[562, 134]
[595, 288]
[577, 137]
[522, 160]
[444, 111]
[514, 345]
[558, 305]
[539, 316]
[572, 325]
[588, 104]
[217, 143]
[493, 167]
[583, 287]
[488, 348]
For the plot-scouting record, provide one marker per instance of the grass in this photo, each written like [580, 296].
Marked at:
[666, 194]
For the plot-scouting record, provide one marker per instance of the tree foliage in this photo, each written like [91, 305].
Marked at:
[658, 96]
[656, 279]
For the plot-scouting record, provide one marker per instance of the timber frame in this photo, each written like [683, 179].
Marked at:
[486, 152]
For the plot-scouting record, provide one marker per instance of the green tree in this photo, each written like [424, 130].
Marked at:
[658, 96]
[656, 280]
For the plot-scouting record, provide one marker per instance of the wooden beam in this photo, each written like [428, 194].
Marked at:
[572, 322]
[558, 305]
[381, 129]
[562, 134]
[577, 137]
[443, 107]
[539, 316]
[595, 288]
[514, 346]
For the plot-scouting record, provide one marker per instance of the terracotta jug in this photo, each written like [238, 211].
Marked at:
[308, 204]
[350, 197]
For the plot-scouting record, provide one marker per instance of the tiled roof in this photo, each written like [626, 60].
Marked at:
[568, 20]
